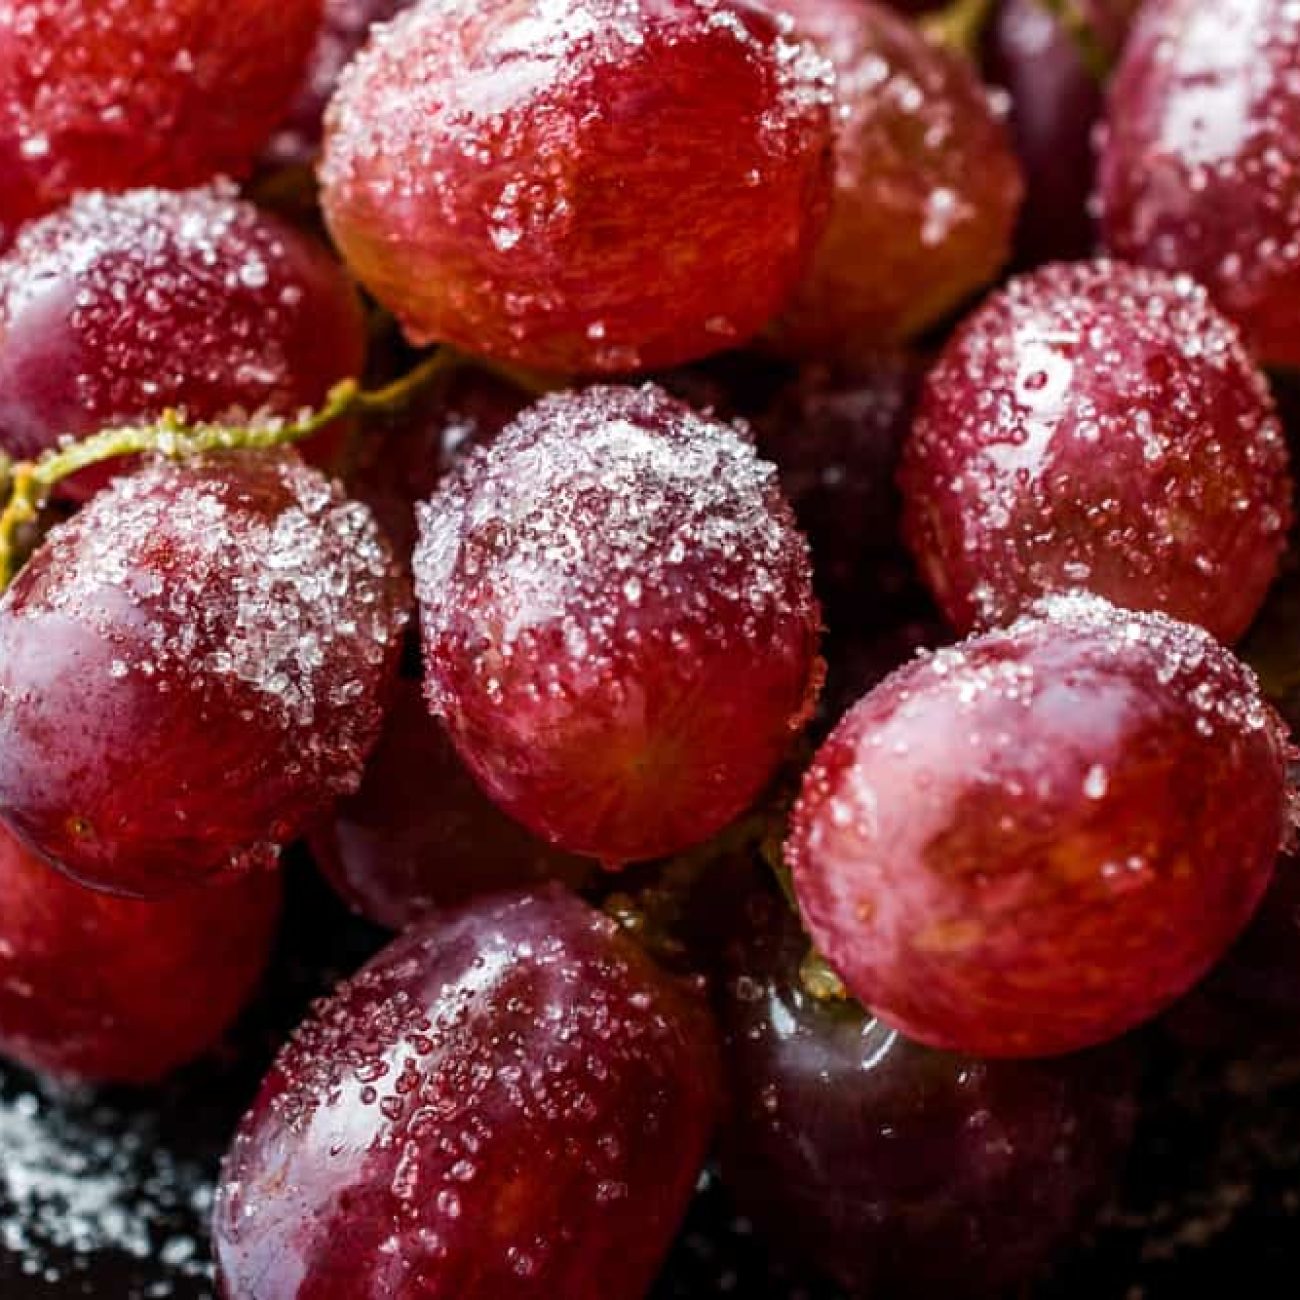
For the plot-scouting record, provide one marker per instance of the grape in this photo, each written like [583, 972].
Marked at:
[190, 668]
[512, 1102]
[115, 94]
[1056, 102]
[835, 434]
[110, 989]
[419, 834]
[119, 307]
[926, 185]
[403, 457]
[347, 24]
[1098, 425]
[1200, 160]
[898, 1170]
[618, 622]
[596, 186]
[1032, 842]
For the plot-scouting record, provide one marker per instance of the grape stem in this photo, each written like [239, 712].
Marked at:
[30, 483]
[960, 25]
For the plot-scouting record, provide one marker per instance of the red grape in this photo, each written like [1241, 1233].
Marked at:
[347, 24]
[511, 1102]
[926, 184]
[595, 186]
[618, 621]
[1200, 160]
[122, 306]
[112, 989]
[1032, 842]
[898, 1170]
[835, 434]
[1056, 101]
[191, 668]
[1097, 425]
[419, 834]
[114, 94]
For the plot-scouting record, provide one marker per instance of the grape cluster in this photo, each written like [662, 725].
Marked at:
[545, 459]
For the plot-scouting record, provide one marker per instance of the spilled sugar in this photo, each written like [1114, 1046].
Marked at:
[81, 1181]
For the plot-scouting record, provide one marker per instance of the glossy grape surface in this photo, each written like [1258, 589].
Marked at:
[111, 989]
[618, 621]
[120, 307]
[513, 1102]
[420, 835]
[1033, 842]
[191, 668]
[601, 186]
[115, 94]
[893, 1168]
[1099, 426]
[926, 184]
[1200, 162]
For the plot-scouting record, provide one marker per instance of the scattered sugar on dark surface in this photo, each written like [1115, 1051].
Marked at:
[107, 1195]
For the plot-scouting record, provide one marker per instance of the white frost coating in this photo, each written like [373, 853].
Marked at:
[295, 602]
[614, 514]
[78, 1182]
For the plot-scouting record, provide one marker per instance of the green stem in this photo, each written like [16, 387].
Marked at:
[1092, 51]
[960, 26]
[32, 482]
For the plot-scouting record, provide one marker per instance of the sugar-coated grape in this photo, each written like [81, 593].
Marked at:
[513, 1101]
[1200, 159]
[122, 306]
[580, 185]
[419, 834]
[405, 455]
[835, 434]
[112, 989]
[896, 1169]
[618, 621]
[926, 184]
[343, 32]
[1100, 426]
[191, 667]
[1034, 841]
[115, 94]
[1056, 101]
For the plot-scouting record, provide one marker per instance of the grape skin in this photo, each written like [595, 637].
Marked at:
[1200, 159]
[926, 189]
[1031, 843]
[118, 94]
[103, 989]
[513, 1101]
[1100, 426]
[120, 307]
[895, 1169]
[603, 186]
[191, 668]
[419, 835]
[618, 622]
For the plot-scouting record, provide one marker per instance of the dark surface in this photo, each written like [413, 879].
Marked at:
[108, 1196]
